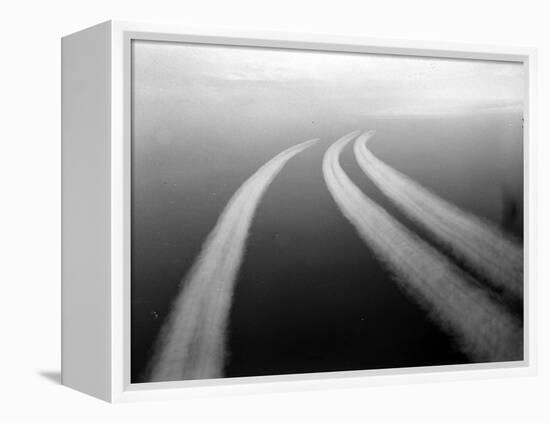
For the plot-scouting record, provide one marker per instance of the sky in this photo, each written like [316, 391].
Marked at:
[207, 117]
[262, 80]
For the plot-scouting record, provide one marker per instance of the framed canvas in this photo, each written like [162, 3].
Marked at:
[249, 212]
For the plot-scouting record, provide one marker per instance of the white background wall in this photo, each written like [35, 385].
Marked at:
[30, 178]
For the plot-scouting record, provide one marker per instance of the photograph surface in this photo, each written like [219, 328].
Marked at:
[298, 211]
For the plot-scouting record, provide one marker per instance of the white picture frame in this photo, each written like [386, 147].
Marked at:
[96, 212]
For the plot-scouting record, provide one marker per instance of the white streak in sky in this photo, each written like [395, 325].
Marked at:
[485, 250]
[483, 329]
[192, 342]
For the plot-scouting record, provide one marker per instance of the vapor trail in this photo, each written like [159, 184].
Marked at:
[192, 342]
[481, 326]
[485, 250]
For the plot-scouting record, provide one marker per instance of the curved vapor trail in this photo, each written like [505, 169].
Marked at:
[482, 327]
[486, 251]
[192, 343]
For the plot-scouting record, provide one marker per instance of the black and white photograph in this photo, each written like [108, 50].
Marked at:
[302, 211]
[276, 212]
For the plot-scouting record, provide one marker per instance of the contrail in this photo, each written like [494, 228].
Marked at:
[192, 342]
[485, 250]
[483, 329]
